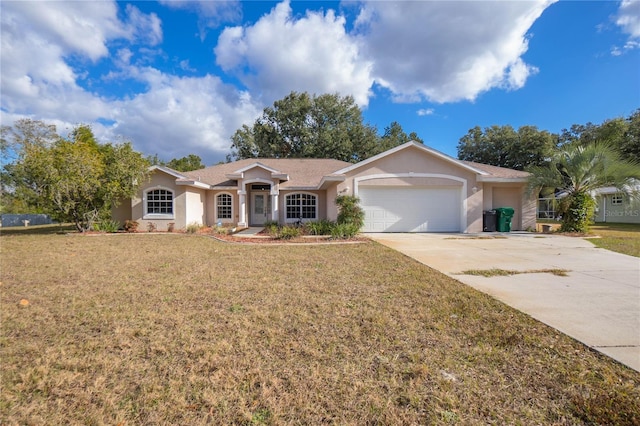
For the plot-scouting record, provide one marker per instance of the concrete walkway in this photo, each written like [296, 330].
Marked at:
[598, 303]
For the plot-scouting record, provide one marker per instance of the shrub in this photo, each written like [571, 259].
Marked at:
[344, 230]
[192, 228]
[577, 212]
[350, 210]
[107, 226]
[171, 226]
[322, 227]
[130, 226]
[272, 227]
[151, 227]
[288, 232]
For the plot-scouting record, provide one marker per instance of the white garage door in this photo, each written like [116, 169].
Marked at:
[410, 209]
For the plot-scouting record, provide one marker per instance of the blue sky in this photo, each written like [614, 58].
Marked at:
[179, 77]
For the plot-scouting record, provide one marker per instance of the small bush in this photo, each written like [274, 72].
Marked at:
[288, 232]
[171, 226]
[107, 226]
[322, 227]
[131, 226]
[344, 230]
[350, 210]
[272, 227]
[151, 227]
[192, 228]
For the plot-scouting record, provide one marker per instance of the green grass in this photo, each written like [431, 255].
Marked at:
[618, 237]
[184, 329]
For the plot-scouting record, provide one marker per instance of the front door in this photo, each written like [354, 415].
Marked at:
[260, 208]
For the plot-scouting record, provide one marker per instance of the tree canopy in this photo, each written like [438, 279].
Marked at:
[186, 164]
[74, 179]
[504, 147]
[528, 147]
[305, 126]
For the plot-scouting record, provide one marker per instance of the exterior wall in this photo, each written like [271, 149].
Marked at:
[160, 180]
[195, 206]
[413, 166]
[332, 208]
[122, 212]
[627, 212]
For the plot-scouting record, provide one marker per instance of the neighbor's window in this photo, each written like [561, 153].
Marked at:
[160, 202]
[301, 206]
[616, 199]
[223, 206]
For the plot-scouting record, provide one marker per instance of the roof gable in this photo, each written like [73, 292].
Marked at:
[413, 144]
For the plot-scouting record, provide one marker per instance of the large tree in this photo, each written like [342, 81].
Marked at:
[576, 170]
[186, 164]
[74, 179]
[306, 126]
[504, 147]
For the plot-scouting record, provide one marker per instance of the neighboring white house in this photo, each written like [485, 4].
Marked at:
[615, 206]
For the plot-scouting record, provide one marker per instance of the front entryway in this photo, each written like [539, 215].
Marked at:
[260, 208]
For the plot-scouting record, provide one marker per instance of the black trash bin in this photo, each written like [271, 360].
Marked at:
[505, 214]
[489, 220]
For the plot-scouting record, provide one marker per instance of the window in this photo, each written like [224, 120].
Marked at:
[616, 199]
[301, 206]
[224, 206]
[160, 202]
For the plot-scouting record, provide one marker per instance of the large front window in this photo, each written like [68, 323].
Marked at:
[159, 202]
[224, 206]
[301, 206]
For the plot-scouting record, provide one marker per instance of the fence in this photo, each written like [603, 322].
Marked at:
[8, 220]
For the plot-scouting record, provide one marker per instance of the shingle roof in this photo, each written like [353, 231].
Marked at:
[303, 172]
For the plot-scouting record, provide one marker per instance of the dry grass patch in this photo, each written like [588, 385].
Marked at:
[496, 272]
[182, 329]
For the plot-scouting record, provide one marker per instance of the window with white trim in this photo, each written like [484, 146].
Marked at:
[224, 206]
[301, 206]
[159, 202]
[616, 199]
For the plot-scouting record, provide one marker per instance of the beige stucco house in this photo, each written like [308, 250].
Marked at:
[410, 188]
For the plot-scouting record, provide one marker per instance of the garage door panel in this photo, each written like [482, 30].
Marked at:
[411, 209]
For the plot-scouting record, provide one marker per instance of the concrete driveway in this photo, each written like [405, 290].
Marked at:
[598, 303]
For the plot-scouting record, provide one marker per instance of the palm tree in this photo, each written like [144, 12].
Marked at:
[577, 170]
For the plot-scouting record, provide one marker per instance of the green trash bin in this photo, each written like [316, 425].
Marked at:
[505, 214]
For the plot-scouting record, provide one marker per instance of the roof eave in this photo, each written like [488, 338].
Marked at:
[327, 181]
[193, 183]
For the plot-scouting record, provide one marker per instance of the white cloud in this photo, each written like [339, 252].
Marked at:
[174, 116]
[425, 111]
[628, 19]
[177, 115]
[447, 51]
[280, 53]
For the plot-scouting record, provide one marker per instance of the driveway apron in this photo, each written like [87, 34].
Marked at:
[598, 303]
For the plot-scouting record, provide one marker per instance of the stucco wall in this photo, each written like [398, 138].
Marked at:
[195, 206]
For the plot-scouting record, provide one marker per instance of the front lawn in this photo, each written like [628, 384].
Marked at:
[183, 329]
[618, 237]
